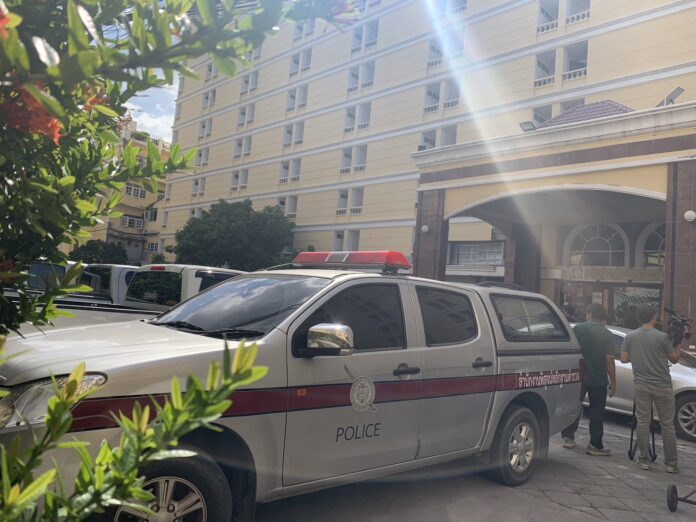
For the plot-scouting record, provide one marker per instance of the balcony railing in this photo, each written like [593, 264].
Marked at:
[295, 178]
[356, 210]
[289, 109]
[341, 211]
[370, 44]
[294, 73]
[359, 168]
[302, 105]
[299, 142]
[344, 170]
[305, 68]
[234, 188]
[374, 3]
[363, 125]
[355, 49]
[291, 215]
[450, 104]
[367, 84]
[578, 17]
[543, 82]
[548, 26]
[287, 144]
[575, 74]
[352, 89]
[348, 129]
[243, 187]
[282, 180]
[428, 109]
[436, 62]
[237, 155]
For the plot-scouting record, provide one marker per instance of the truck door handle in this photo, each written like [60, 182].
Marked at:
[480, 363]
[405, 369]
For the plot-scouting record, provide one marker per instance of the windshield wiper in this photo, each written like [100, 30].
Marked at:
[180, 324]
[272, 314]
[235, 332]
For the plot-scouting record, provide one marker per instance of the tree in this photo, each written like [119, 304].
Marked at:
[97, 251]
[234, 235]
[67, 70]
[158, 258]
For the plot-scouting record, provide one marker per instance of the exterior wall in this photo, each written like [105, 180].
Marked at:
[638, 51]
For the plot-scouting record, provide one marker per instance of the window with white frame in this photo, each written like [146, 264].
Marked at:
[303, 29]
[352, 240]
[302, 95]
[196, 212]
[291, 207]
[295, 169]
[349, 119]
[545, 70]
[165, 218]
[132, 222]
[353, 79]
[245, 115]
[575, 61]
[597, 245]
[198, 187]
[338, 241]
[287, 135]
[150, 214]
[234, 180]
[359, 158]
[428, 140]
[298, 133]
[205, 128]
[371, 34]
[364, 114]
[548, 16]
[367, 74]
[306, 60]
[243, 179]
[542, 113]
[202, 156]
[238, 144]
[346, 160]
[168, 192]
[295, 64]
[177, 111]
[448, 135]
[357, 42]
[246, 146]
[451, 93]
[480, 253]
[577, 11]
[181, 84]
[571, 104]
[342, 203]
[208, 99]
[431, 103]
[435, 53]
[253, 81]
[135, 192]
[284, 175]
[175, 136]
[153, 246]
[356, 200]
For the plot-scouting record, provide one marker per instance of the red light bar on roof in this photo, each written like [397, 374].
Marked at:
[388, 259]
[157, 267]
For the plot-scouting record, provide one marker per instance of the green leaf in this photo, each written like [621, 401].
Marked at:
[46, 100]
[106, 111]
[36, 488]
[88, 22]
[66, 181]
[176, 394]
[47, 54]
[13, 20]
[206, 10]
[225, 65]
[77, 38]
[172, 454]
[109, 136]
[85, 205]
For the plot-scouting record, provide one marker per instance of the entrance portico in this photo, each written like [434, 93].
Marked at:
[591, 211]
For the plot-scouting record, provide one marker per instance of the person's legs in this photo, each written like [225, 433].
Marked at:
[568, 434]
[643, 401]
[664, 404]
[598, 402]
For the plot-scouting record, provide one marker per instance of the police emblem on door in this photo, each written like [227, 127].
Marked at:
[362, 393]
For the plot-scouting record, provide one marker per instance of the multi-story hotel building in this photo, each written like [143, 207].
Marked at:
[330, 124]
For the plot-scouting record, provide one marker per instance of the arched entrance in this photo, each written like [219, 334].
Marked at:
[591, 212]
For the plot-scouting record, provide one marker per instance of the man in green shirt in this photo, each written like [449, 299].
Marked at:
[648, 350]
[598, 351]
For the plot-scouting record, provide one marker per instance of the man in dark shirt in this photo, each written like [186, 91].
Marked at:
[597, 345]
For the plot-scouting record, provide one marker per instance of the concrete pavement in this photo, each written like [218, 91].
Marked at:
[569, 486]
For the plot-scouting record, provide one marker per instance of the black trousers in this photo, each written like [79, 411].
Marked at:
[598, 401]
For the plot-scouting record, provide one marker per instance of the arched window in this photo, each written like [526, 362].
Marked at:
[597, 245]
[651, 246]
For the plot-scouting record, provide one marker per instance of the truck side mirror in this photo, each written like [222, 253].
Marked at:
[329, 339]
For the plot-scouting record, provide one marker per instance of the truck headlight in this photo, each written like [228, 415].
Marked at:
[28, 403]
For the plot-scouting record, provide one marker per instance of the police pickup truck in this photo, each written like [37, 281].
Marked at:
[369, 374]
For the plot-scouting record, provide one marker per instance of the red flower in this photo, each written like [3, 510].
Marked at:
[24, 113]
[4, 20]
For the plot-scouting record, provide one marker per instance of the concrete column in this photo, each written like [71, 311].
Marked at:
[430, 248]
[523, 257]
[680, 244]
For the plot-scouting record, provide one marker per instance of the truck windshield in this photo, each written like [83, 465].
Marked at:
[160, 288]
[246, 306]
[43, 276]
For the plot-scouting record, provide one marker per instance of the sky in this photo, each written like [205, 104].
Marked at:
[154, 111]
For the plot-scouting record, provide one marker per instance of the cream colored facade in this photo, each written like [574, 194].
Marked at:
[429, 73]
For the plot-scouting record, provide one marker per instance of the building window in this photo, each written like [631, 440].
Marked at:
[208, 100]
[234, 180]
[356, 46]
[371, 34]
[484, 253]
[352, 242]
[177, 111]
[198, 187]
[431, 103]
[338, 241]
[135, 192]
[150, 214]
[205, 128]
[356, 200]
[364, 114]
[434, 54]
[181, 83]
[342, 203]
[448, 135]
[284, 176]
[650, 246]
[291, 207]
[295, 169]
[165, 218]
[541, 114]
[153, 247]
[245, 115]
[132, 222]
[246, 146]
[571, 104]
[238, 144]
[545, 71]
[548, 16]
[175, 136]
[577, 11]
[428, 140]
[452, 94]
[243, 179]
[575, 61]
[303, 29]
[349, 120]
[202, 156]
[597, 245]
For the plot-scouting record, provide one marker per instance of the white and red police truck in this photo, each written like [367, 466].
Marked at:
[369, 374]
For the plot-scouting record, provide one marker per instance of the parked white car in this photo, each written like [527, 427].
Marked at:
[159, 287]
[108, 282]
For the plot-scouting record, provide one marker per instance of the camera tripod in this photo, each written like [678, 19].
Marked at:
[633, 444]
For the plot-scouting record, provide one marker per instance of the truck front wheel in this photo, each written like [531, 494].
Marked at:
[516, 447]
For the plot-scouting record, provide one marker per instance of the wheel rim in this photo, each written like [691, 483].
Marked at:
[687, 418]
[176, 500]
[521, 447]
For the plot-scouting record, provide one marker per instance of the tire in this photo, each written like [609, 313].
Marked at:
[192, 477]
[515, 463]
[685, 417]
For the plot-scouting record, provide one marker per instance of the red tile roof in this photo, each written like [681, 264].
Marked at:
[587, 112]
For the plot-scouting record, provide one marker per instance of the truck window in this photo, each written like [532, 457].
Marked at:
[209, 279]
[155, 287]
[99, 278]
[525, 319]
[448, 317]
[373, 312]
[45, 275]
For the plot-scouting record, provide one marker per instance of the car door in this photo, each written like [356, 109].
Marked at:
[459, 371]
[361, 411]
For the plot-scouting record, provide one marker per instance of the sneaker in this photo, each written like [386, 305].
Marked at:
[671, 469]
[569, 443]
[597, 452]
[645, 466]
